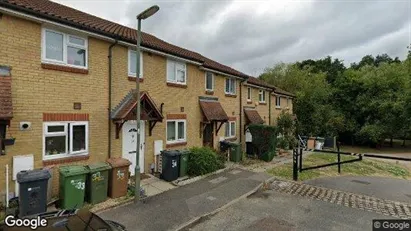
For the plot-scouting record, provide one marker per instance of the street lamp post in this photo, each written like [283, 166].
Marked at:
[143, 15]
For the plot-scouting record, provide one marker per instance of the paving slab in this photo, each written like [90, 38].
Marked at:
[151, 190]
[162, 185]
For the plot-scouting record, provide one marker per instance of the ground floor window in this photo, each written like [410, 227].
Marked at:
[230, 129]
[63, 139]
[176, 131]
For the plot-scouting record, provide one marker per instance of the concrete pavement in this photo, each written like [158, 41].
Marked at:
[168, 210]
[380, 187]
[273, 211]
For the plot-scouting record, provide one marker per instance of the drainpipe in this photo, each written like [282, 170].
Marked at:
[241, 109]
[269, 107]
[110, 74]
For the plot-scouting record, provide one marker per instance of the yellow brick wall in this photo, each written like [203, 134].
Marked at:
[283, 106]
[174, 98]
[36, 91]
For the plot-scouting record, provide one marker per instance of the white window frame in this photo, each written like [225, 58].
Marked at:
[278, 101]
[176, 69]
[131, 73]
[66, 43]
[176, 132]
[69, 136]
[212, 81]
[249, 93]
[232, 81]
[72, 124]
[229, 127]
[261, 96]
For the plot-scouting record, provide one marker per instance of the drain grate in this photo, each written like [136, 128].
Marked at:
[360, 182]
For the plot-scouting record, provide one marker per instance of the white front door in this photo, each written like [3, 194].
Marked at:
[130, 142]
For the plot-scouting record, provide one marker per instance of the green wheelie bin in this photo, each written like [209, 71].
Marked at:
[97, 182]
[183, 162]
[235, 152]
[72, 186]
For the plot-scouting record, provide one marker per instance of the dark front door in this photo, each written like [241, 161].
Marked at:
[208, 136]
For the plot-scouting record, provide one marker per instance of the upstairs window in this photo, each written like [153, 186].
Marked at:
[277, 101]
[209, 81]
[261, 96]
[176, 72]
[65, 49]
[248, 93]
[230, 86]
[132, 63]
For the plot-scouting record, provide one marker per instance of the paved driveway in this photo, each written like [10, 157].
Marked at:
[380, 187]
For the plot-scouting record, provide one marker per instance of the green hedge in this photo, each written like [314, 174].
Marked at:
[203, 160]
[265, 140]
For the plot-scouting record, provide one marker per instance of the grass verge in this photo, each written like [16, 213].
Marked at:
[361, 168]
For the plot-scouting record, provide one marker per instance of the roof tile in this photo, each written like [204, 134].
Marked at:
[253, 116]
[213, 111]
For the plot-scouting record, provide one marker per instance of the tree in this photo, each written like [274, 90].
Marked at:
[332, 68]
[312, 95]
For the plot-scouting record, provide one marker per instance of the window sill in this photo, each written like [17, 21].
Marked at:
[230, 138]
[209, 92]
[177, 85]
[277, 107]
[249, 102]
[230, 95]
[262, 103]
[65, 160]
[56, 67]
[133, 79]
[170, 145]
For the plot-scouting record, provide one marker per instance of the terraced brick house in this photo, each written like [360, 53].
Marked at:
[66, 91]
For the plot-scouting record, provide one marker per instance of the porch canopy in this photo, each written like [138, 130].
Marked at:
[213, 112]
[253, 117]
[126, 110]
[6, 107]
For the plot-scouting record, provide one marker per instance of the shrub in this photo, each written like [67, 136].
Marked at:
[286, 127]
[265, 140]
[203, 160]
[282, 143]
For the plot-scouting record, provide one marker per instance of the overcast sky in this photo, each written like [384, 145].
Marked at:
[251, 35]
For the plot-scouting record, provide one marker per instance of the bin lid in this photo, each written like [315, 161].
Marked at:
[73, 170]
[184, 152]
[234, 144]
[33, 175]
[170, 152]
[99, 166]
[117, 162]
